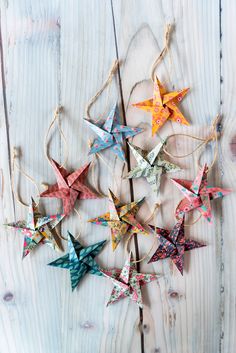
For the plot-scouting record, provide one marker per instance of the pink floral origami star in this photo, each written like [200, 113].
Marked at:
[128, 282]
[198, 194]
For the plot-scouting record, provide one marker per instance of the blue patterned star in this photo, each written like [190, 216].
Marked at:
[79, 260]
[111, 134]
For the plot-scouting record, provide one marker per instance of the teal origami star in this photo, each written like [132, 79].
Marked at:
[79, 260]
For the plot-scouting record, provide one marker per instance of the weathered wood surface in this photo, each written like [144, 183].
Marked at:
[60, 52]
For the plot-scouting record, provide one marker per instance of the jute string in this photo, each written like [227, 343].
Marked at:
[77, 237]
[204, 142]
[66, 239]
[213, 136]
[54, 120]
[192, 223]
[15, 155]
[156, 208]
[164, 51]
[97, 156]
[91, 102]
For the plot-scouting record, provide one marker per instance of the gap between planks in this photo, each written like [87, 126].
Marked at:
[128, 165]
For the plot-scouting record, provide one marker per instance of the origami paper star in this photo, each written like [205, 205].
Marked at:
[163, 106]
[69, 186]
[38, 229]
[151, 165]
[112, 134]
[121, 219]
[128, 282]
[198, 194]
[79, 260]
[173, 244]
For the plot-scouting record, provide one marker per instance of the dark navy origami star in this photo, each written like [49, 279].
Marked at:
[173, 244]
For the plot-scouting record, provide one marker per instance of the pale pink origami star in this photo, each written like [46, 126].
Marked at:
[69, 186]
[198, 194]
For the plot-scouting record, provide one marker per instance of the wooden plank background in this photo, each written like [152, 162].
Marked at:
[59, 53]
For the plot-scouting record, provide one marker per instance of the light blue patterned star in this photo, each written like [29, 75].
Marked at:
[111, 134]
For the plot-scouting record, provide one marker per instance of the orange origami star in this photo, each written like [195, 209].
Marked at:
[163, 106]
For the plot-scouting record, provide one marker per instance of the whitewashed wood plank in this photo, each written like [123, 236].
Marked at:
[60, 54]
[31, 68]
[87, 52]
[183, 314]
[31, 63]
[7, 303]
[228, 177]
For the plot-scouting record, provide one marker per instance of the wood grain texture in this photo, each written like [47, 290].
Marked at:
[228, 175]
[59, 53]
[180, 317]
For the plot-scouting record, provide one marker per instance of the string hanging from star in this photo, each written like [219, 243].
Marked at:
[56, 119]
[198, 194]
[14, 166]
[163, 105]
[111, 132]
[37, 229]
[70, 186]
[214, 135]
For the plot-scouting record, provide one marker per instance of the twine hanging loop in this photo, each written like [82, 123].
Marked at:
[213, 136]
[55, 119]
[15, 155]
[91, 102]
[165, 50]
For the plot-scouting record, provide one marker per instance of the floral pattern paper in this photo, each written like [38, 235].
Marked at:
[163, 106]
[151, 165]
[128, 282]
[38, 229]
[121, 219]
[69, 186]
[173, 244]
[198, 194]
[112, 134]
